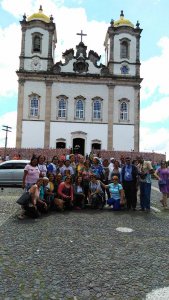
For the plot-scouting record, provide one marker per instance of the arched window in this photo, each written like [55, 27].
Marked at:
[79, 109]
[62, 109]
[96, 109]
[36, 42]
[124, 49]
[123, 111]
[34, 105]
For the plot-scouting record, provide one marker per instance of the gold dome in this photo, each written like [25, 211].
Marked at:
[122, 21]
[39, 16]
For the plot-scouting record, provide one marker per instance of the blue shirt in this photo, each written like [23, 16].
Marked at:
[128, 173]
[114, 190]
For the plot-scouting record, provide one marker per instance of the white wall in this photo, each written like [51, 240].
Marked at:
[37, 88]
[33, 134]
[64, 130]
[123, 137]
[124, 92]
[132, 70]
[117, 39]
[28, 41]
[72, 90]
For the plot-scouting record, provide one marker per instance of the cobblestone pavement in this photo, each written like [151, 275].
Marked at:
[81, 255]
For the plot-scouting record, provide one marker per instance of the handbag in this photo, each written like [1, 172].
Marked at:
[24, 199]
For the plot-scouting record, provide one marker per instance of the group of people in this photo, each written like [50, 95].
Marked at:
[75, 182]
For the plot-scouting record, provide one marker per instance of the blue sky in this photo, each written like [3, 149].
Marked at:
[93, 17]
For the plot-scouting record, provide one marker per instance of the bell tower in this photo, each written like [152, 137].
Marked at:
[122, 47]
[38, 42]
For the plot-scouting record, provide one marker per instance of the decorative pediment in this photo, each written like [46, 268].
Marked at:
[104, 70]
[78, 133]
[81, 50]
[68, 55]
[124, 100]
[96, 141]
[80, 65]
[94, 57]
[57, 67]
[97, 98]
[62, 96]
[60, 140]
[80, 97]
[34, 94]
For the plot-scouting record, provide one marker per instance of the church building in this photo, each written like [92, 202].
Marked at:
[78, 103]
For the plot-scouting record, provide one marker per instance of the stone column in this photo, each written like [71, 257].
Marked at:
[21, 67]
[110, 116]
[50, 59]
[111, 54]
[138, 55]
[48, 114]
[20, 113]
[137, 118]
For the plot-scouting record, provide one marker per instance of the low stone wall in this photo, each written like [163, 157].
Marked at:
[26, 153]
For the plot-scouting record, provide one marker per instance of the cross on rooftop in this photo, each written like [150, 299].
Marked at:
[81, 34]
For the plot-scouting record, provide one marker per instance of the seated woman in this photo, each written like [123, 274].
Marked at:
[96, 195]
[57, 181]
[35, 205]
[116, 192]
[79, 196]
[43, 189]
[51, 197]
[65, 192]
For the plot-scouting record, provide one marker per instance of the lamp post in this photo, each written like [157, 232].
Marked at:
[6, 129]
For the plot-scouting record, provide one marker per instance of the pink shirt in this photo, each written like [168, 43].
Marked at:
[32, 175]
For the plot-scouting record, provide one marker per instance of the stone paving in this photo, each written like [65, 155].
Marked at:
[81, 255]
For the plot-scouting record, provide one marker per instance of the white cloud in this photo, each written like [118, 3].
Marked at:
[154, 140]
[8, 119]
[156, 112]
[76, 20]
[155, 72]
[17, 8]
[10, 38]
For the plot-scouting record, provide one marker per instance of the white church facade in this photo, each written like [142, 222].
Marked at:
[79, 103]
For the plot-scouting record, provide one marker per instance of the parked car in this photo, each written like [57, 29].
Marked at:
[11, 172]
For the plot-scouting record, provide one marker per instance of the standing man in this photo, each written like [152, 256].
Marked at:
[145, 170]
[129, 182]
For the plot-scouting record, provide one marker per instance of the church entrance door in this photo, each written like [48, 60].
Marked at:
[78, 145]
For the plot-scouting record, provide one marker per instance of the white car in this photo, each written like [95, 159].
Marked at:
[11, 172]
